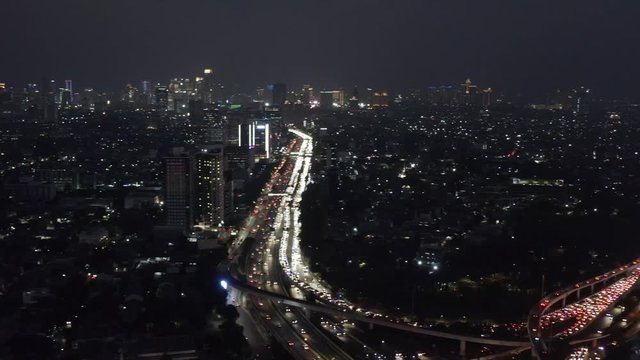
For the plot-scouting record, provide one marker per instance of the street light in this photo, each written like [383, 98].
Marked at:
[224, 284]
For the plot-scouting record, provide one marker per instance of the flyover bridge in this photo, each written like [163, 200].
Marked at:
[355, 316]
[621, 280]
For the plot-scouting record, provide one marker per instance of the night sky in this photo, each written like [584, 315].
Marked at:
[516, 46]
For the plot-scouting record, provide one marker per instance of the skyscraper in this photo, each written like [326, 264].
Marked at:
[259, 94]
[380, 99]
[354, 99]
[48, 100]
[216, 126]
[486, 97]
[146, 92]
[68, 85]
[208, 87]
[162, 98]
[470, 93]
[209, 187]
[580, 101]
[307, 94]
[279, 94]
[179, 191]
[326, 100]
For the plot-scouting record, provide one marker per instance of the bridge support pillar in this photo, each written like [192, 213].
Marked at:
[463, 348]
[591, 289]
[564, 301]
[578, 293]
[370, 326]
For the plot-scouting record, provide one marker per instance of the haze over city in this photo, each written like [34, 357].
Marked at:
[522, 48]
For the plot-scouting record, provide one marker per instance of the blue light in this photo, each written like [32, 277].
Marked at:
[224, 284]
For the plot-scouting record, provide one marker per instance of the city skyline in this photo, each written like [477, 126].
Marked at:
[523, 49]
[335, 180]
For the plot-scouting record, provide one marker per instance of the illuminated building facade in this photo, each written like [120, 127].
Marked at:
[209, 187]
[178, 198]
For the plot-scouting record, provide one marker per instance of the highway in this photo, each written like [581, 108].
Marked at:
[277, 278]
[269, 225]
[590, 317]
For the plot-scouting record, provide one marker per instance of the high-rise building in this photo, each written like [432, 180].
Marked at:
[216, 126]
[48, 101]
[238, 157]
[331, 98]
[326, 100]
[5, 94]
[88, 99]
[307, 94]
[354, 99]
[162, 98]
[179, 198]
[209, 187]
[486, 97]
[279, 94]
[380, 99]
[208, 87]
[68, 86]
[129, 94]
[470, 94]
[259, 94]
[580, 100]
[63, 98]
[147, 93]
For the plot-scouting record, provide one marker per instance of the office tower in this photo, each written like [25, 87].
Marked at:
[209, 187]
[64, 98]
[486, 97]
[580, 101]
[129, 94]
[215, 125]
[238, 157]
[32, 95]
[181, 90]
[179, 199]
[326, 100]
[259, 94]
[229, 190]
[331, 98]
[162, 98]
[6, 95]
[68, 86]
[260, 138]
[468, 87]
[470, 94]
[147, 93]
[354, 99]
[338, 97]
[380, 99]
[196, 111]
[48, 107]
[208, 87]
[279, 94]
[307, 94]
[88, 98]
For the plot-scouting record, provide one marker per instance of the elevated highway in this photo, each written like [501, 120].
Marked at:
[579, 305]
